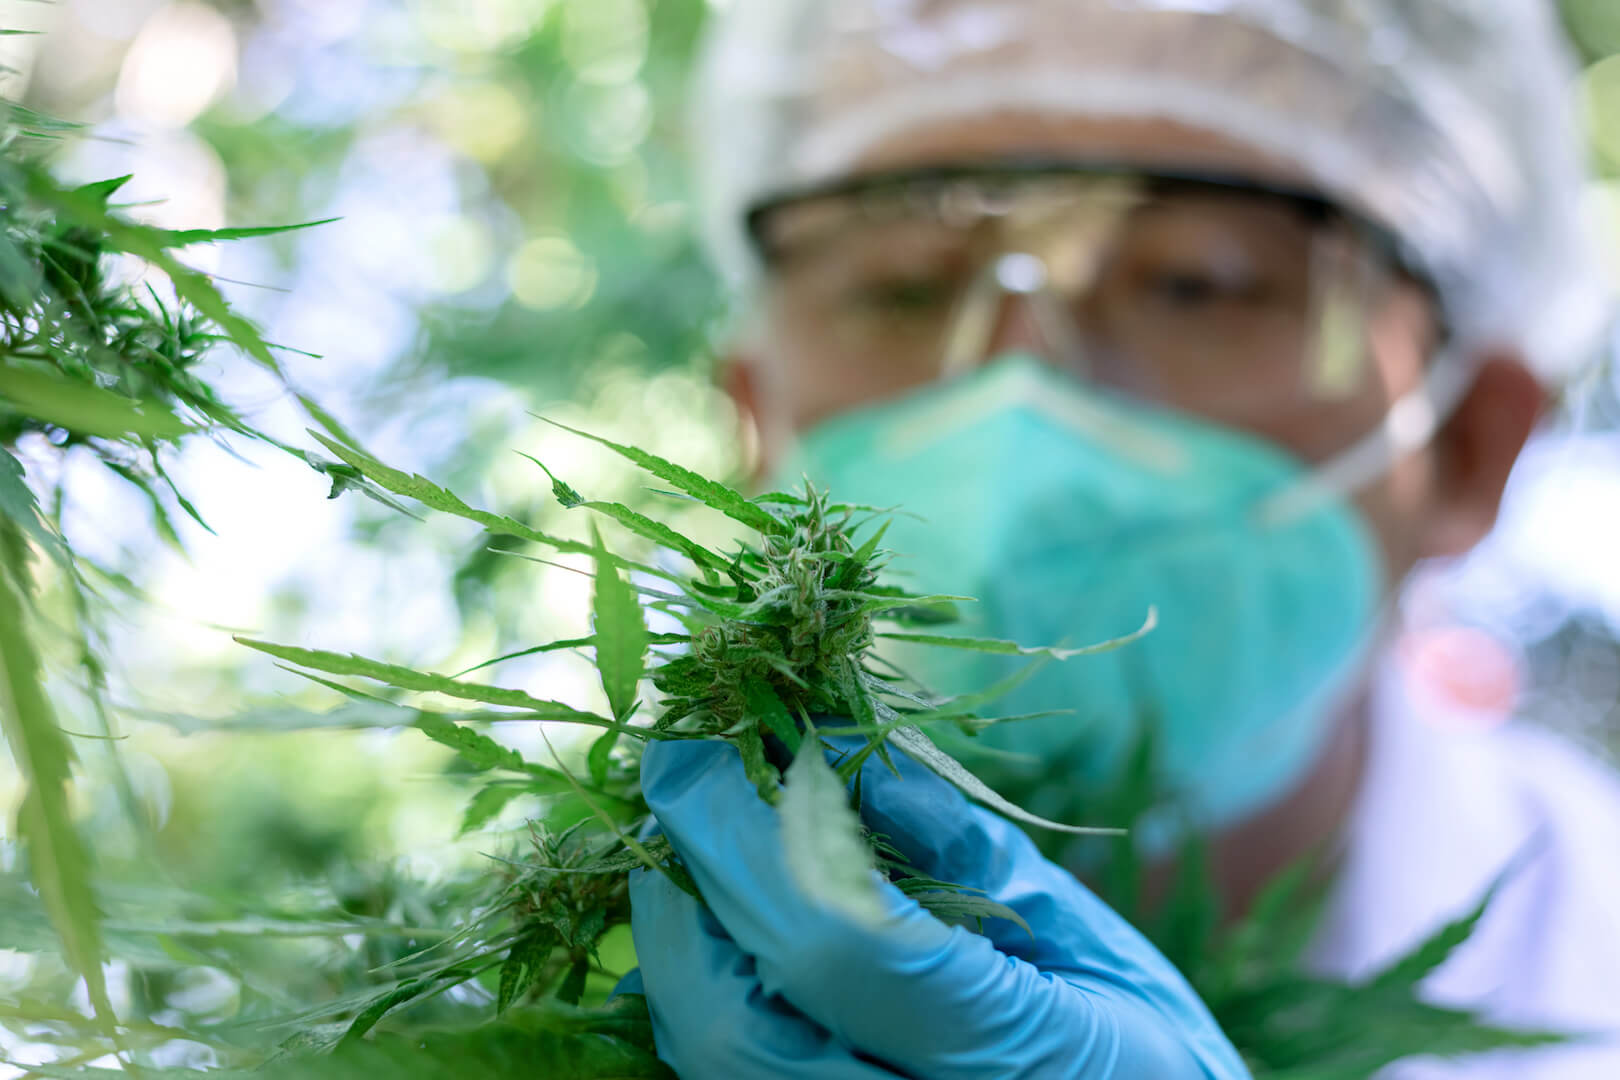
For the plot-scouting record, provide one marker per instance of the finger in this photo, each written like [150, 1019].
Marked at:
[944, 836]
[710, 1015]
[1072, 933]
[924, 998]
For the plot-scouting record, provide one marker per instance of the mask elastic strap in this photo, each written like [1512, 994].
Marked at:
[1409, 424]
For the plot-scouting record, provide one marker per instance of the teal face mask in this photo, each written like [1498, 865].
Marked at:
[1069, 514]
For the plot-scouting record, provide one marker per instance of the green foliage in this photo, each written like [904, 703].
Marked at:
[87, 362]
[778, 632]
[621, 636]
[57, 860]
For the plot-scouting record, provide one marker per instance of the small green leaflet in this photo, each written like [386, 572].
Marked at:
[573, 984]
[917, 744]
[621, 634]
[1012, 648]
[432, 495]
[17, 502]
[822, 842]
[563, 493]
[571, 643]
[408, 679]
[600, 757]
[953, 905]
[487, 804]
[186, 237]
[756, 766]
[478, 750]
[1405, 974]
[523, 964]
[636, 522]
[658, 533]
[706, 491]
[766, 705]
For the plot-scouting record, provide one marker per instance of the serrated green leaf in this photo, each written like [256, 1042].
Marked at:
[479, 750]
[104, 190]
[427, 682]
[83, 408]
[87, 209]
[764, 703]
[658, 533]
[59, 867]
[442, 499]
[486, 804]
[780, 498]
[18, 504]
[1406, 973]
[176, 238]
[405, 992]
[1012, 648]
[527, 956]
[714, 495]
[621, 635]
[953, 906]
[822, 841]
[573, 984]
[563, 493]
[588, 642]
[682, 676]
[916, 744]
[600, 756]
[509, 1047]
[756, 766]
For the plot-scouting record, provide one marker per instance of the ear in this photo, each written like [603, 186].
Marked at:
[740, 378]
[1476, 449]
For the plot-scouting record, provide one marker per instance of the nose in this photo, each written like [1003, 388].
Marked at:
[1012, 307]
[1017, 329]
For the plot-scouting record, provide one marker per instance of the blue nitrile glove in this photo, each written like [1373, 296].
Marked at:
[764, 982]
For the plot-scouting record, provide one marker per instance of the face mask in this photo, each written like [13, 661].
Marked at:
[1069, 514]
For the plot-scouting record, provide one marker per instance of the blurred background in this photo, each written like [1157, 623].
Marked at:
[514, 238]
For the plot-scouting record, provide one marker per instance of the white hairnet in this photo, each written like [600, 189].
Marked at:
[1449, 121]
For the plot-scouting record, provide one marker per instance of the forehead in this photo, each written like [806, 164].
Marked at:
[1143, 142]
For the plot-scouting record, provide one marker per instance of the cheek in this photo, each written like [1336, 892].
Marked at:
[1399, 503]
[1395, 507]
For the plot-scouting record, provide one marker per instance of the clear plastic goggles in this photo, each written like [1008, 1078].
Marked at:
[1243, 304]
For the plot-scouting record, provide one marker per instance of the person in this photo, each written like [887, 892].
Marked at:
[1235, 310]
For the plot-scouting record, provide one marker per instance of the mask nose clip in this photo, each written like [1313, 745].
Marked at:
[1025, 278]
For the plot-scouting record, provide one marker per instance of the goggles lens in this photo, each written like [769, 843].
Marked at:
[1229, 302]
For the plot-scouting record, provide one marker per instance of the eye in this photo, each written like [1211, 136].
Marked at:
[901, 296]
[1188, 288]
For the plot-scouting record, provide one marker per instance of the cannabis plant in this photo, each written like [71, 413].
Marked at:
[94, 364]
[779, 651]
[777, 654]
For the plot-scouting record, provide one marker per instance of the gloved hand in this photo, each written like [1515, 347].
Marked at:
[764, 982]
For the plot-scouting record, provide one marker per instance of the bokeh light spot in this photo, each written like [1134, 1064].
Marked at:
[180, 63]
[605, 41]
[610, 121]
[482, 120]
[460, 250]
[475, 26]
[1601, 93]
[549, 272]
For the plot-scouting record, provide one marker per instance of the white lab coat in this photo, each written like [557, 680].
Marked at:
[1444, 810]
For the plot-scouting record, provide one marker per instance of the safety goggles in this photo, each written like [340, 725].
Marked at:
[1205, 292]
